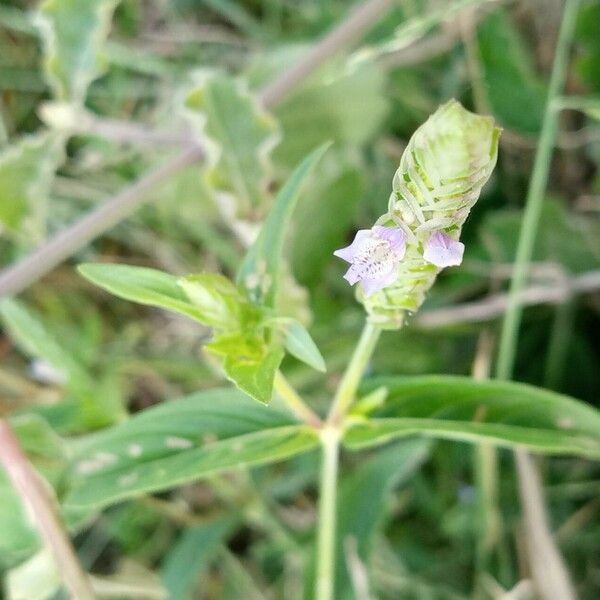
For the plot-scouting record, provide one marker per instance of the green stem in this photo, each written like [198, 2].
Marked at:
[295, 402]
[325, 580]
[358, 363]
[535, 196]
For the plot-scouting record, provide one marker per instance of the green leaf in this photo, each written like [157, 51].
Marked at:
[254, 375]
[334, 195]
[300, 344]
[503, 413]
[218, 298]
[238, 135]
[261, 269]
[179, 442]
[191, 555]
[26, 173]
[74, 33]
[30, 333]
[515, 92]
[360, 513]
[146, 286]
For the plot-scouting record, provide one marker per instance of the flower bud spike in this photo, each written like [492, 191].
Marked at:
[442, 171]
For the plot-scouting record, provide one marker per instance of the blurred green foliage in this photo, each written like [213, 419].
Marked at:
[75, 360]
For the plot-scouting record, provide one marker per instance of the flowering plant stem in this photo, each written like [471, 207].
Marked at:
[330, 436]
[358, 363]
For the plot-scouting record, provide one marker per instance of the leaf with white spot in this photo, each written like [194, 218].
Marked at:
[238, 136]
[74, 33]
[220, 430]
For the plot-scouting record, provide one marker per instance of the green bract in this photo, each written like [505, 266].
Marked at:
[442, 171]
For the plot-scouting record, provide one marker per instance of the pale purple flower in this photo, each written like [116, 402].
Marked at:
[373, 256]
[443, 251]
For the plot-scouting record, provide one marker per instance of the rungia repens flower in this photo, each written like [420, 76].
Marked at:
[441, 174]
[374, 256]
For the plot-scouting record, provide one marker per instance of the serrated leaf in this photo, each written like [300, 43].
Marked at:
[261, 269]
[74, 33]
[514, 90]
[299, 343]
[26, 172]
[238, 136]
[179, 442]
[145, 286]
[503, 413]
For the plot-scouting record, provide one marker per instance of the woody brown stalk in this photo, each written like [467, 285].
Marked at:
[41, 505]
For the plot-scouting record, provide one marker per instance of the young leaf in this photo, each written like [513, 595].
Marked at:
[218, 298]
[260, 270]
[248, 361]
[503, 413]
[300, 344]
[73, 34]
[241, 136]
[178, 442]
[147, 286]
[26, 172]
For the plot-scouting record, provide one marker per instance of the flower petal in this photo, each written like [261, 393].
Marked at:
[348, 252]
[352, 275]
[443, 251]
[370, 286]
[395, 236]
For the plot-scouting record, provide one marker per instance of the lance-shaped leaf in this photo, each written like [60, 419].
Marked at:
[26, 173]
[201, 297]
[238, 136]
[261, 270]
[503, 413]
[73, 34]
[178, 442]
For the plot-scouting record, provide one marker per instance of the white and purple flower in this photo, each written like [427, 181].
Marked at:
[443, 251]
[374, 256]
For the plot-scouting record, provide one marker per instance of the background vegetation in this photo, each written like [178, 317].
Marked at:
[92, 101]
